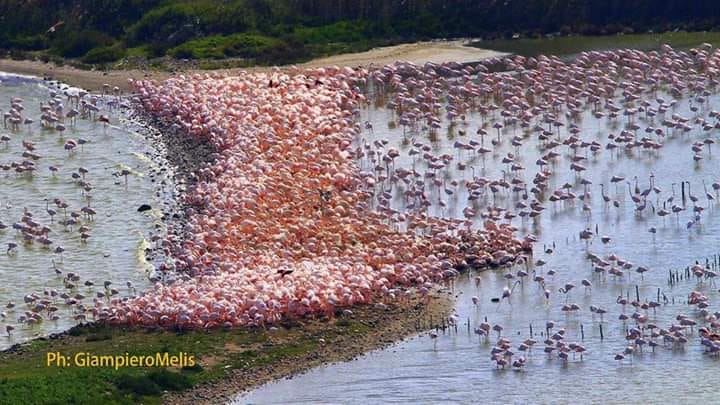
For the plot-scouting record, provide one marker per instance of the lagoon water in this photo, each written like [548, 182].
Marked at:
[115, 249]
[456, 368]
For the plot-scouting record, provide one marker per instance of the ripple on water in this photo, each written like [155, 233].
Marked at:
[459, 370]
[115, 250]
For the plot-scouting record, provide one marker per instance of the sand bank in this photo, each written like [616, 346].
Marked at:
[418, 53]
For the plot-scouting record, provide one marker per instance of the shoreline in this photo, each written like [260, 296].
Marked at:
[385, 327]
[86, 79]
[178, 159]
[417, 52]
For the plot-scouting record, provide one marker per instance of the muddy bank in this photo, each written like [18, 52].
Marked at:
[371, 328]
[177, 160]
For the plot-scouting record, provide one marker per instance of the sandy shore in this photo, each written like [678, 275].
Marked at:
[419, 52]
[88, 79]
[384, 328]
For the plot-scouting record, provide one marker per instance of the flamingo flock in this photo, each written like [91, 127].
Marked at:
[280, 224]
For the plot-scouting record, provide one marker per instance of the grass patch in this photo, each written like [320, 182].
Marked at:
[222, 46]
[256, 354]
[140, 385]
[24, 375]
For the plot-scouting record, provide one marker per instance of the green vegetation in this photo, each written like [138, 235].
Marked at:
[104, 54]
[284, 31]
[24, 374]
[219, 46]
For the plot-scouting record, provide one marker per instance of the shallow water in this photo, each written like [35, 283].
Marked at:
[570, 45]
[457, 367]
[115, 250]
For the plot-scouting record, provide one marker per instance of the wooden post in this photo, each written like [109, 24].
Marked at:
[637, 293]
[601, 333]
[582, 332]
[683, 192]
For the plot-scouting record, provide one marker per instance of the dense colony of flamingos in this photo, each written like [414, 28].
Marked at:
[280, 224]
[300, 213]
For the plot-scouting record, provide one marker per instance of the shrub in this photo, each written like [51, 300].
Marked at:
[17, 54]
[76, 44]
[250, 46]
[235, 45]
[343, 31]
[30, 43]
[105, 54]
[205, 48]
[170, 25]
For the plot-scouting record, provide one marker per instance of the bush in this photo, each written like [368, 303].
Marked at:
[169, 25]
[250, 46]
[105, 54]
[76, 44]
[17, 54]
[206, 48]
[31, 43]
[235, 45]
[343, 31]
